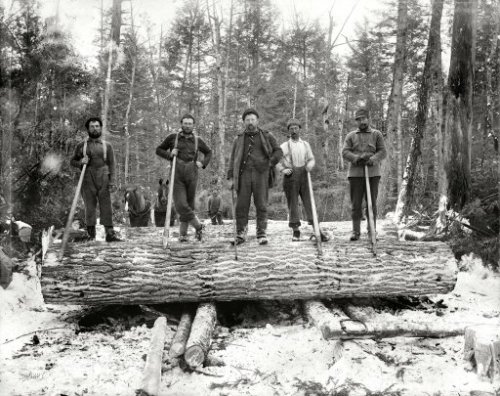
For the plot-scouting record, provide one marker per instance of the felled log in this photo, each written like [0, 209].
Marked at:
[181, 336]
[328, 321]
[482, 349]
[152, 371]
[139, 271]
[5, 269]
[200, 338]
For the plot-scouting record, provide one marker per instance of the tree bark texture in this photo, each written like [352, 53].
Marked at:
[200, 338]
[139, 271]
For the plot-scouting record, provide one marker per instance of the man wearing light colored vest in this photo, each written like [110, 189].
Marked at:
[297, 160]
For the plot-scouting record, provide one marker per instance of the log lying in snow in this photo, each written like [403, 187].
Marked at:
[200, 338]
[181, 336]
[482, 349]
[152, 370]
[141, 272]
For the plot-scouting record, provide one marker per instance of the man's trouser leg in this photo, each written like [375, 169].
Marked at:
[219, 218]
[303, 187]
[374, 182]
[290, 187]
[357, 190]
[260, 187]
[89, 195]
[183, 187]
[243, 199]
[191, 184]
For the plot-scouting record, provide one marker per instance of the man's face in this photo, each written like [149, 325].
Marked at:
[362, 122]
[294, 131]
[251, 121]
[187, 125]
[94, 129]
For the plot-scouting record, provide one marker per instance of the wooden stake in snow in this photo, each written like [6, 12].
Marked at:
[181, 336]
[201, 335]
[482, 348]
[152, 371]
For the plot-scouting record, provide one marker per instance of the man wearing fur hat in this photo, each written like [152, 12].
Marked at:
[254, 154]
[363, 146]
[99, 179]
[297, 160]
[185, 146]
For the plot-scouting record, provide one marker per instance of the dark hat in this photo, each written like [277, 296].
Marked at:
[361, 113]
[249, 111]
[293, 121]
[187, 115]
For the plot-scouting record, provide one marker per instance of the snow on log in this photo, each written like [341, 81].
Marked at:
[482, 349]
[200, 338]
[181, 336]
[152, 371]
[139, 271]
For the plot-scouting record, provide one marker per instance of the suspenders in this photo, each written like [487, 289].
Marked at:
[195, 145]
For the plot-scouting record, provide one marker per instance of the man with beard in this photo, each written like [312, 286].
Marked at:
[255, 153]
[364, 146]
[99, 179]
[298, 159]
[185, 146]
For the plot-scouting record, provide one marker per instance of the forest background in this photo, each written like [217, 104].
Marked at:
[428, 71]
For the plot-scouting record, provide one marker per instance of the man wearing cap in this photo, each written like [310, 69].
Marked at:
[185, 146]
[254, 154]
[99, 179]
[297, 160]
[364, 146]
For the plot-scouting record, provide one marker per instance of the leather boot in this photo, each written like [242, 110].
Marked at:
[91, 233]
[183, 229]
[111, 235]
[356, 230]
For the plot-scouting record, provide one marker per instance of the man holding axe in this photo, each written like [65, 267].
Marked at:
[98, 180]
[363, 146]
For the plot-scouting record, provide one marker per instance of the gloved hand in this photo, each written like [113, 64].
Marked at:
[287, 171]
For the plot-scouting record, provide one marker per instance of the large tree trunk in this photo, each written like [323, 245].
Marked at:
[458, 108]
[141, 272]
[407, 189]
[394, 106]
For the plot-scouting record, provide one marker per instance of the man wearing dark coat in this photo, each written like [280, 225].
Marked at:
[363, 146]
[214, 209]
[254, 154]
[99, 179]
[185, 145]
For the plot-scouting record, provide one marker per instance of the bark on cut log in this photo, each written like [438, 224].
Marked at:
[152, 370]
[328, 321]
[200, 338]
[141, 272]
[181, 335]
[482, 349]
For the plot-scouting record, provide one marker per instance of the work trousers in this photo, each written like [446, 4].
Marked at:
[95, 189]
[216, 218]
[358, 191]
[254, 183]
[185, 182]
[295, 186]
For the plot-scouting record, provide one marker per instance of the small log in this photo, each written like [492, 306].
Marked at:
[181, 336]
[152, 371]
[5, 269]
[482, 349]
[200, 338]
[328, 321]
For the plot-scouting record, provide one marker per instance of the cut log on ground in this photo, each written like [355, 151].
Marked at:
[201, 335]
[152, 370]
[181, 336]
[482, 349]
[328, 321]
[141, 272]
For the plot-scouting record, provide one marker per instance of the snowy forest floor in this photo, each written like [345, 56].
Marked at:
[260, 348]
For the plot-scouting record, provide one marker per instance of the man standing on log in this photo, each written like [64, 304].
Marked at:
[99, 179]
[185, 145]
[298, 159]
[254, 154]
[214, 206]
[363, 146]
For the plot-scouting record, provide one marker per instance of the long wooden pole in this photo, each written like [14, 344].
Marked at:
[73, 205]
[371, 220]
[166, 229]
[317, 233]
[233, 208]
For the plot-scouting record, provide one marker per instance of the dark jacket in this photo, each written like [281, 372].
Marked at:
[186, 147]
[357, 143]
[95, 153]
[272, 151]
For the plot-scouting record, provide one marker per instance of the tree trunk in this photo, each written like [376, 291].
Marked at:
[407, 189]
[458, 108]
[181, 336]
[141, 272]
[200, 338]
[116, 21]
[394, 106]
[127, 121]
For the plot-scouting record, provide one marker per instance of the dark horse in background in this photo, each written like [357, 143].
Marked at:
[161, 203]
[138, 208]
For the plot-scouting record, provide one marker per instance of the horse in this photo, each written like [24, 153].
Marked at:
[137, 206]
[161, 203]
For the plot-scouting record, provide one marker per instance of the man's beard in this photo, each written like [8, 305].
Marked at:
[295, 136]
[251, 128]
[95, 135]
[363, 127]
[187, 131]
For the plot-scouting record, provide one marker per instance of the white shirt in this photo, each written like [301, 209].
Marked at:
[297, 152]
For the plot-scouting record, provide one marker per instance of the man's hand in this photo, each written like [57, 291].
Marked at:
[174, 152]
[366, 156]
[112, 187]
[84, 160]
[369, 162]
[230, 184]
[358, 161]
[199, 164]
[309, 167]
[287, 171]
